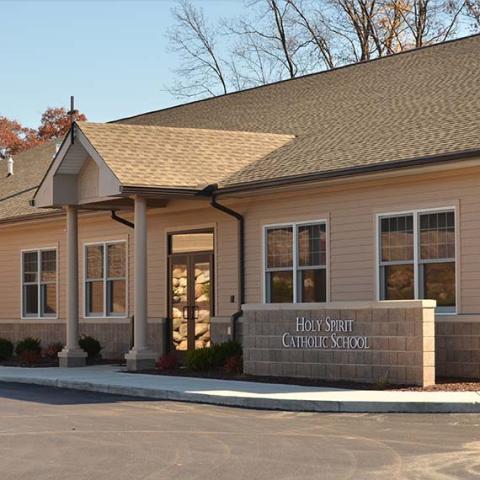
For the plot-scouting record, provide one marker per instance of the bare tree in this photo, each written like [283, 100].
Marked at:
[432, 21]
[473, 12]
[249, 65]
[282, 39]
[269, 41]
[202, 71]
[313, 23]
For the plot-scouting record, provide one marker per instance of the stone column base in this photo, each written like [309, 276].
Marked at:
[143, 360]
[69, 358]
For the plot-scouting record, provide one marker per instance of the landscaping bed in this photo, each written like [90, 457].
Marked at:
[30, 353]
[449, 385]
[443, 385]
[224, 362]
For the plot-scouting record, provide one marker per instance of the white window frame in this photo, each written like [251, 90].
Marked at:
[417, 262]
[295, 266]
[105, 279]
[39, 316]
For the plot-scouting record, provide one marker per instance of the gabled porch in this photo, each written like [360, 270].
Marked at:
[129, 170]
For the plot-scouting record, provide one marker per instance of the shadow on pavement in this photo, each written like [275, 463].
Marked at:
[59, 396]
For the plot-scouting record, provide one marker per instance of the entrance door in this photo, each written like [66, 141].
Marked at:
[191, 299]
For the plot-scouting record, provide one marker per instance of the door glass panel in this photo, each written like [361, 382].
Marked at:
[202, 304]
[179, 302]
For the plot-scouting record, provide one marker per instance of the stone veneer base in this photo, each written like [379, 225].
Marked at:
[72, 359]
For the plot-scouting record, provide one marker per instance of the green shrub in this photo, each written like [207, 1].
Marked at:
[28, 344]
[91, 346]
[211, 357]
[201, 359]
[6, 349]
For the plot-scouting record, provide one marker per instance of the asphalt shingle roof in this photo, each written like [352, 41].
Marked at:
[177, 157]
[16, 190]
[420, 103]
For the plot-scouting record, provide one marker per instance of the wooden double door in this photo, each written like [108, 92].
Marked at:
[191, 299]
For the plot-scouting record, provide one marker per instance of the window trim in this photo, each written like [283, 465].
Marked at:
[295, 267]
[104, 280]
[39, 316]
[416, 251]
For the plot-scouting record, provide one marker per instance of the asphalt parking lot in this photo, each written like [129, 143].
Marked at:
[48, 433]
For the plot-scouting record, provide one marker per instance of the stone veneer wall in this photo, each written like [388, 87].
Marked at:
[458, 348]
[401, 337]
[114, 337]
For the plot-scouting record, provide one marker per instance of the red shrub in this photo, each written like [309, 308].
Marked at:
[167, 362]
[30, 357]
[234, 364]
[52, 351]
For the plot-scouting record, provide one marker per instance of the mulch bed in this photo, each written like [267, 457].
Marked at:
[448, 385]
[46, 363]
[443, 384]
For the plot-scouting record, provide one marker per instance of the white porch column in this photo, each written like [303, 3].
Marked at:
[72, 355]
[140, 356]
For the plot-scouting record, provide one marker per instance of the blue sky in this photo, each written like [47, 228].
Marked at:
[112, 55]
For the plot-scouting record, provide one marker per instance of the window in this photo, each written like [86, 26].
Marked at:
[191, 242]
[39, 283]
[417, 257]
[106, 279]
[295, 263]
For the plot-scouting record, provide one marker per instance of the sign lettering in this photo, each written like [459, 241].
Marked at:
[324, 334]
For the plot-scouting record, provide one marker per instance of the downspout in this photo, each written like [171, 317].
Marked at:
[123, 221]
[241, 255]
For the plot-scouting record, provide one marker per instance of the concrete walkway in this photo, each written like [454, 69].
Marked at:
[114, 380]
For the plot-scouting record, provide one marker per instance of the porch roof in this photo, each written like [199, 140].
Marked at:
[167, 157]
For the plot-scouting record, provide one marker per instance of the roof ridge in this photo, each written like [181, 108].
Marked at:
[341, 67]
[193, 129]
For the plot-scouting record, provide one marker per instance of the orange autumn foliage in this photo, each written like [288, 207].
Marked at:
[55, 123]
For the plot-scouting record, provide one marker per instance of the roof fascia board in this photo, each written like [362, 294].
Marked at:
[65, 145]
[44, 194]
[128, 190]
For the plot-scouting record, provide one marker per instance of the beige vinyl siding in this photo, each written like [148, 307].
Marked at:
[352, 210]
[349, 209]
[14, 239]
[101, 228]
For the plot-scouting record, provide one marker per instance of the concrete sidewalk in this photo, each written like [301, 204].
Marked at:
[114, 380]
